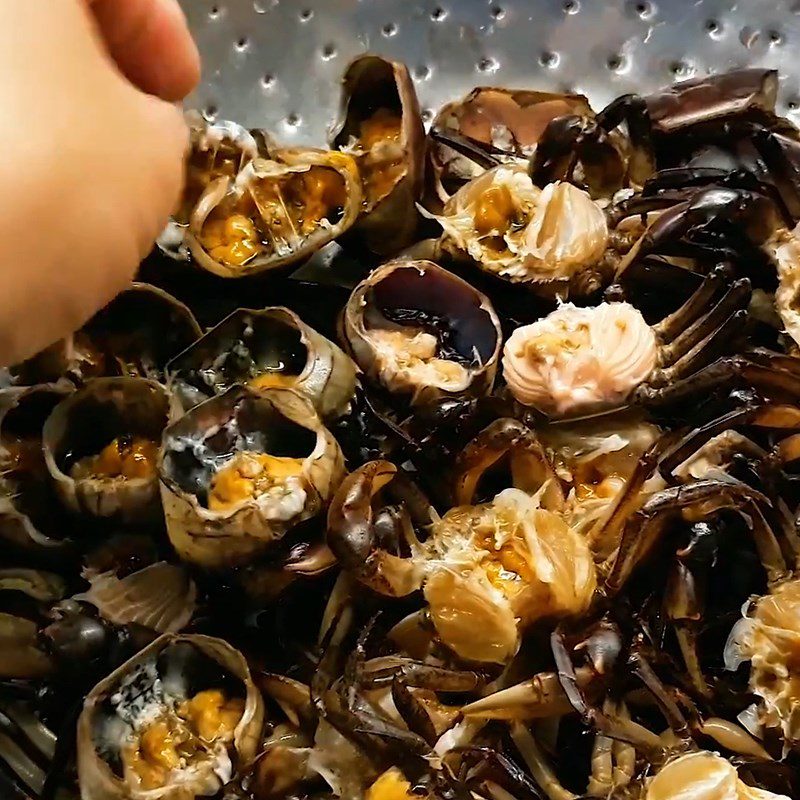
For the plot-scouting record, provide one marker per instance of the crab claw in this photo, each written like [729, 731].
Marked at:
[354, 532]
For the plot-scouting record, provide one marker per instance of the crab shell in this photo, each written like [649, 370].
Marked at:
[712, 98]
[217, 539]
[387, 225]
[161, 597]
[170, 328]
[424, 286]
[98, 781]
[271, 336]
[215, 149]
[511, 120]
[26, 408]
[84, 423]
[281, 162]
[59, 362]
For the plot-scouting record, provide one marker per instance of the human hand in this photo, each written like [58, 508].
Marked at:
[92, 161]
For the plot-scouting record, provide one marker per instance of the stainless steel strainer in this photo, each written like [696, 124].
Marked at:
[275, 63]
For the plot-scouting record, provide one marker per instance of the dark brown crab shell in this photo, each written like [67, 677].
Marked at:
[23, 413]
[713, 98]
[63, 361]
[115, 341]
[426, 288]
[195, 447]
[141, 329]
[200, 658]
[387, 224]
[281, 162]
[86, 421]
[249, 344]
[521, 113]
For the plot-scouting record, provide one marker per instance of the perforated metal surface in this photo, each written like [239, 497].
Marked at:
[276, 63]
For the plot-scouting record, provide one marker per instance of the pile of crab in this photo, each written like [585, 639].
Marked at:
[449, 466]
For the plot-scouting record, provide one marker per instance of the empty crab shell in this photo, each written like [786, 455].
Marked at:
[216, 150]
[503, 121]
[382, 128]
[418, 330]
[100, 447]
[241, 469]
[175, 722]
[264, 349]
[513, 229]
[129, 347]
[274, 212]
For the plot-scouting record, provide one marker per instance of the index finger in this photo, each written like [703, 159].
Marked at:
[151, 44]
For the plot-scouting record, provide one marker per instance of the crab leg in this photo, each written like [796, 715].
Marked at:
[653, 273]
[484, 155]
[424, 676]
[671, 326]
[698, 500]
[511, 774]
[624, 730]
[604, 537]
[613, 762]
[736, 298]
[643, 205]
[696, 438]
[669, 708]
[727, 371]
[539, 697]
[601, 778]
[712, 347]
[537, 763]
[683, 608]
[413, 712]
[632, 109]
[685, 177]
[733, 738]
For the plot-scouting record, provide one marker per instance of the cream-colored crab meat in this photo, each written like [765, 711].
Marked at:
[524, 233]
[785, 249]
[578, 360]
[276, 482]
[496, 567]
[770, 639]
[703, 776]
[408, 361]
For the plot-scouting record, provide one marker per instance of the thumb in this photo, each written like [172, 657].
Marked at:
[151, 44]
[163, 142]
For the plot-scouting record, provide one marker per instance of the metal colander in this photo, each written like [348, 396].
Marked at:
[275, 63]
